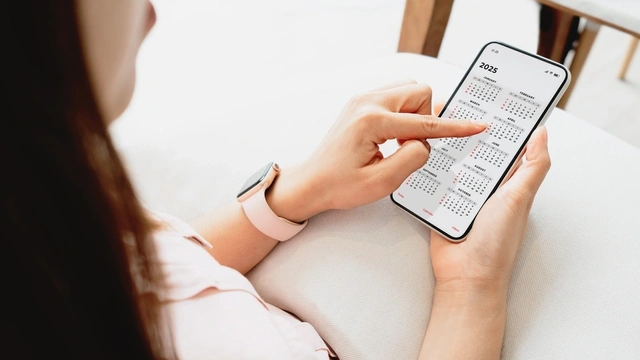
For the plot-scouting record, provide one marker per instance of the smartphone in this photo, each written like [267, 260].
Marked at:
[514, 92]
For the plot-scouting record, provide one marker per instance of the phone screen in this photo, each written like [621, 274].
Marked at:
[513, 92]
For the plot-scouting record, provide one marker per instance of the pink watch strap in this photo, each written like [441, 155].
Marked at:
[265, 220]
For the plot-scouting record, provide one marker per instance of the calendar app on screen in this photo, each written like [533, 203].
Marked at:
[513, 92]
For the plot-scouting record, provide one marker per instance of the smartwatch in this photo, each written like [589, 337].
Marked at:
[252, 198]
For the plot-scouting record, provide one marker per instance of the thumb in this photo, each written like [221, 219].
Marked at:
[395, 168]
[532, 172]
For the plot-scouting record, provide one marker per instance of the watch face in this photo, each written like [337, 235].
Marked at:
[255, 179]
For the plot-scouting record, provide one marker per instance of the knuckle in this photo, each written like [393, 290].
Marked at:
[367, 117]
[425, 89]
[543, 163]
[360, 99]
[430, 124]
[364, 102]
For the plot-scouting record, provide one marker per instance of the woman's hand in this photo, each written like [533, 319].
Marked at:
[348, 169]
[485, 260]
[468, 315]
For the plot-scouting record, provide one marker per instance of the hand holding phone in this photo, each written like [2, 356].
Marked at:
[486, 259]
[514, 92]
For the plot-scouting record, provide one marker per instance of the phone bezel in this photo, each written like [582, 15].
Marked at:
[539, 122]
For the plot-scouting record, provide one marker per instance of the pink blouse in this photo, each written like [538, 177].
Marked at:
[215, 311]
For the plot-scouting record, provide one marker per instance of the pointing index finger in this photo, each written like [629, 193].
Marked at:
[415, 126]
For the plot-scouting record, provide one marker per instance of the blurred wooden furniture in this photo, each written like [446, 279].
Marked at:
[623, 16]
[425, 22]
[628, 57]
[423, 26]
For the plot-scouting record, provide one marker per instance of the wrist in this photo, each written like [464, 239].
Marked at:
[466, 322]
[468, 294]
[292, 196]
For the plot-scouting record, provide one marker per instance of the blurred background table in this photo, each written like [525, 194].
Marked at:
[425, 23]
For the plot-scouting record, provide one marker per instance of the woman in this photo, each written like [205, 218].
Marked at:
[93, 275]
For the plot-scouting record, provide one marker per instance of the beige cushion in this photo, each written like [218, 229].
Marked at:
[362, 277]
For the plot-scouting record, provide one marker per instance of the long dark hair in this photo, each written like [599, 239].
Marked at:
[75, 241]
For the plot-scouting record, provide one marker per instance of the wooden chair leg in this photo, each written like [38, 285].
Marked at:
[628, 57]
[557, 32]
[587, 38]
[423, 26]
